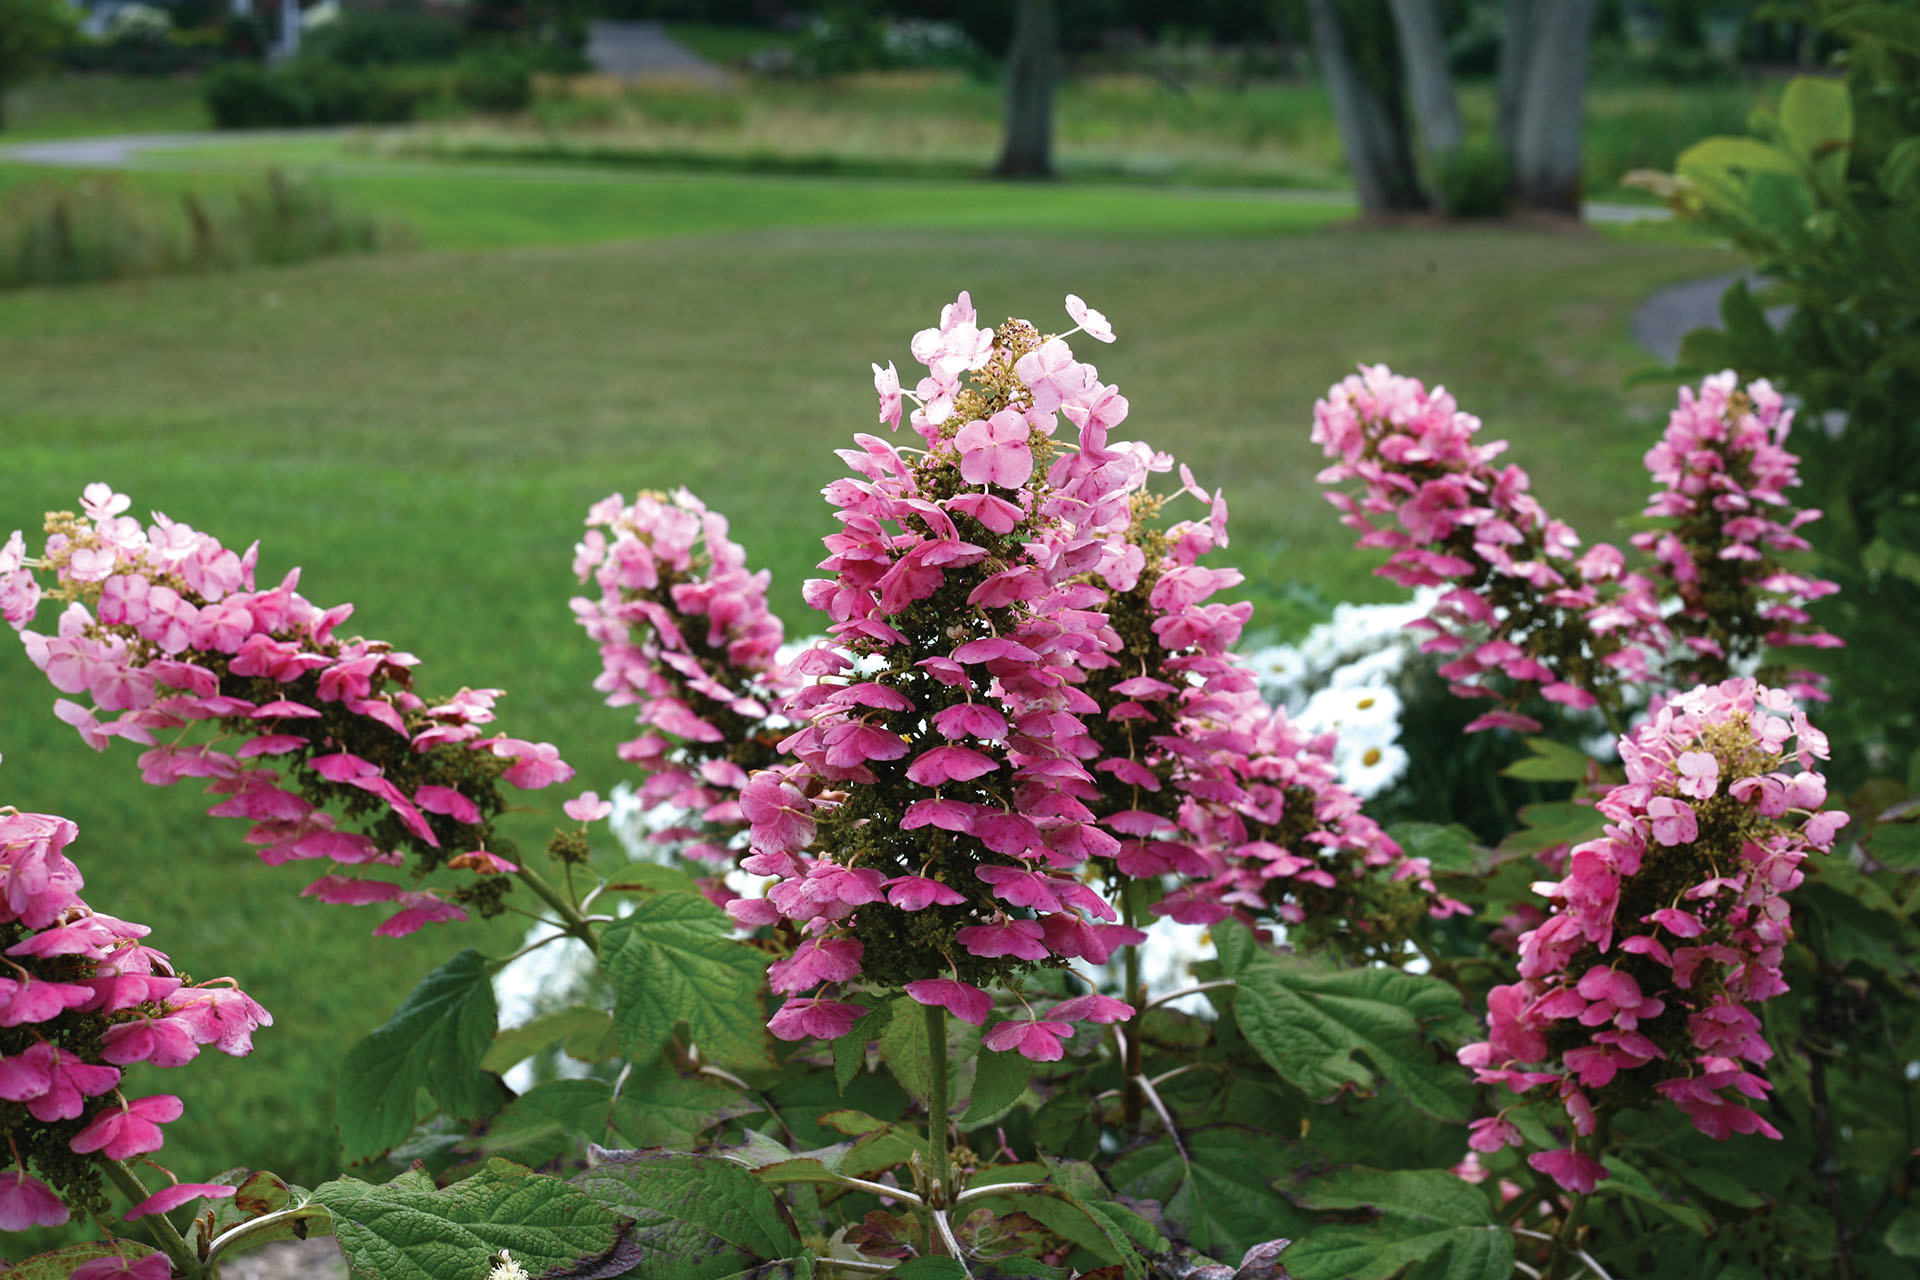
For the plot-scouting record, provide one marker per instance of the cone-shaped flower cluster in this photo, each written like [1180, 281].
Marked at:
[1526, 611]
[178, 634]
[1668, 929]
[82, 999]
[931, 831]
[687, 640]
[1725, 472]
[1030, 692]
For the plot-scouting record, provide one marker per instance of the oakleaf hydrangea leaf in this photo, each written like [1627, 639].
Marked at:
[410, 1230]
[1309, 1022]
[1430, 1221]
[697, 1217]
[436, 1041]
[674, 960]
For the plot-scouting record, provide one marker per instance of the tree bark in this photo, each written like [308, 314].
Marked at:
[1523, 17]
[1547, 143]
[1423, 52]
[1372, 121]
[1032, 68]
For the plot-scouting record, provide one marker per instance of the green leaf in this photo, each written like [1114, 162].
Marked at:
[1734, 153]
[1429, 1225]
[999, 1080]
[904, 1048]
[61, 1263]
[1218, 1197]
[1896, 846]
[1893, 24]
[1816, 117]
[929, 1269]
[1084, 1223]
[850, 1050]
[1450, 849]
[697, 1217]
[1550, 762]
[410, 1230]
[1542, 826]
[674, 960]
[660, 1107]
[1629, 1183]
[435, 1041]
[514, 1045]
[552, 1120]
[1309, 1022]
[650, 878]
[1903, 1235]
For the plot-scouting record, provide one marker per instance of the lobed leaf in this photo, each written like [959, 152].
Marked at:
[435, 1041]
[697, 1217]
[674, 960]
[410, 1230]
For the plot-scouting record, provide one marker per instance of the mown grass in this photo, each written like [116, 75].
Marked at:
[423, 430]
[1131, 128]
[462, 207]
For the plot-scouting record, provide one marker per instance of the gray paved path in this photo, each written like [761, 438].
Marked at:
[631, 49]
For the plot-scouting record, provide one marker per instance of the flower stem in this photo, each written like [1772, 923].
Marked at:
[576, 924]
[940, 1194]
[186, 1266]
[1135, 994]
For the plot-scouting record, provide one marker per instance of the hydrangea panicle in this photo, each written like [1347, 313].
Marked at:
[165, 628]
[1724, 472]
[84, 1000]
[1666, 931]
[1524, 610]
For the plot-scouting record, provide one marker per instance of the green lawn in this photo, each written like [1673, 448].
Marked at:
[423, 430]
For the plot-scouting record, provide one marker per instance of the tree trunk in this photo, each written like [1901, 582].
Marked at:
[1031, 72]
[1372, 121]
[1523, 20]
[1424, 54]
[1546, 155]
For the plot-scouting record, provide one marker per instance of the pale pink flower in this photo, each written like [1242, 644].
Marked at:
[587, 807]
[1091, 322]
[995, 451]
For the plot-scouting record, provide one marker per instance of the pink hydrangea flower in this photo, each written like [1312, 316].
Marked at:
[1620, 967]
[178, 1194]
[26, 1201]
[128, 1129]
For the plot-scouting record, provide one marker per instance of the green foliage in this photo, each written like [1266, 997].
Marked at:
[30, 31]
[1414, 1225]
[410, 1230]
[674, 961]
[59, 1264]
[434, 1041]
[495, 81]
[1309, 1021]
[697, 1217]
[1476, 181]
[304, 93]
[362, 38]
[1823, 201]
